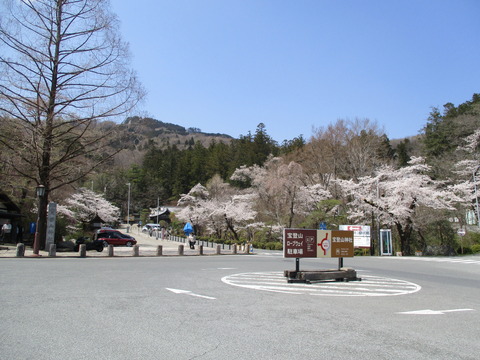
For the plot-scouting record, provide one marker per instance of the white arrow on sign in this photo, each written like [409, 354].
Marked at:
[432, 312]
[187, 292]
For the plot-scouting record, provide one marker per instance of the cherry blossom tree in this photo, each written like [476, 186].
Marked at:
[394, 195]
[221, 210]
[236, 211]
[281, 189]
[194, 207]
[467, 182]
[85, 204]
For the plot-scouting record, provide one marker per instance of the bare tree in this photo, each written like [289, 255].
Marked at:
[344, 149]
[63, 67]
[362, 148]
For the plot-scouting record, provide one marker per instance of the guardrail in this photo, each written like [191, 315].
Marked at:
[245, 247]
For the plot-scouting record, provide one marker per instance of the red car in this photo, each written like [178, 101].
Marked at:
[115, 237]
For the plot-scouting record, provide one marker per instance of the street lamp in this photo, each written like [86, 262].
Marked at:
[40, 191]
[128, 208]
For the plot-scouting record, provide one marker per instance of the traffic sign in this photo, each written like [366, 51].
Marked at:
[299, 243]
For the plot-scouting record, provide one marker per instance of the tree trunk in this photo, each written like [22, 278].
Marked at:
[405, 233]
[42, 220]
[231, 228]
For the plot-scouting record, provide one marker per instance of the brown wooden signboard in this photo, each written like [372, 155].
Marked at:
[299, 243]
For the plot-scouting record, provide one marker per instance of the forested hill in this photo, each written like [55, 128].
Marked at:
[138, 132]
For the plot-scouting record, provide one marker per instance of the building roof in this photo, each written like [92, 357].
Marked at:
[8, 209]
[161, 213]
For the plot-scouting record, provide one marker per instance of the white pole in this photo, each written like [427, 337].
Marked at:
[158, 210]
[476, 197]
[128, 207]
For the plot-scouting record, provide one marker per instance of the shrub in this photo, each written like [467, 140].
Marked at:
[465, 250]
[472, 238]
[476, 248]
[360, 252]
[274, 245]
[258, 245]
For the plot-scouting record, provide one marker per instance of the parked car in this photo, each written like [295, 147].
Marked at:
[115, 237]
[105, 228]
[150, 227]
[91, 245]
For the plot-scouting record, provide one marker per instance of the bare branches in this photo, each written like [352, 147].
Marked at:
[63, 68]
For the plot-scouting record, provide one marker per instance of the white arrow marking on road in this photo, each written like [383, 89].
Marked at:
[187, 292]
[432, 312]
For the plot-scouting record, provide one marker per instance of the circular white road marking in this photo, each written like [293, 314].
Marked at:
[276, 282]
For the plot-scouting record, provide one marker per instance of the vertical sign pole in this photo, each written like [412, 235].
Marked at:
[51, 217]
[297, 264]
[340, 263]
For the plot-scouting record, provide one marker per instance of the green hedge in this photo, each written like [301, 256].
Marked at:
[476, 248]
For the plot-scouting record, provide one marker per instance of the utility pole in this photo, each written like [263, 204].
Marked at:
[128, 208]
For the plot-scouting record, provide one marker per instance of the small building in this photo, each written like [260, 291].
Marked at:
[95, 223]
[162, 214]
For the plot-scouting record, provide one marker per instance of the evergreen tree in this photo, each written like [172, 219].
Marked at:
[403, 156]
[443, 132]
[263, 145]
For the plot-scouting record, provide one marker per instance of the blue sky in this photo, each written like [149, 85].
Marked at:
[225, 66]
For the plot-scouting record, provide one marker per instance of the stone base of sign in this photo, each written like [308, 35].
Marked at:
[344, 274]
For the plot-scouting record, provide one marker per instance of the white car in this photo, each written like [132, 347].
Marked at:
[151, 227]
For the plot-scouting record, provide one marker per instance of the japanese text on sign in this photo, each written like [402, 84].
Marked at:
[317, 243]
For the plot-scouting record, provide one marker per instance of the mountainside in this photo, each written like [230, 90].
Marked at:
[136, 134]
[144, 129]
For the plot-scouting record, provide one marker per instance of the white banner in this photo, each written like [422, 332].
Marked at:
[361, 235]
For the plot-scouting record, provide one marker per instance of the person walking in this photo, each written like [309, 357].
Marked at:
[6, 231]
[191, 241]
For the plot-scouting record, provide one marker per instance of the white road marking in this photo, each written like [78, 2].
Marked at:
[432, 312]
[267, 254]
[276, 282]
[434, 259]
[187, 292]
